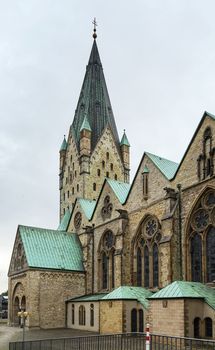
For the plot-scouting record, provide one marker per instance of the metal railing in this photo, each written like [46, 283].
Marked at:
[124, 341]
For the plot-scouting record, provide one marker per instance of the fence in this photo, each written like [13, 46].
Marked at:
[125, 341]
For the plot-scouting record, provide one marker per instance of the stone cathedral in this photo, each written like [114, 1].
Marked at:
[124, 253]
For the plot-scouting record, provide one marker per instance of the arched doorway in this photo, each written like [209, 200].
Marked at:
[16, 309]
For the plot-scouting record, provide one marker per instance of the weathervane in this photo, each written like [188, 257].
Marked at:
[94, 29]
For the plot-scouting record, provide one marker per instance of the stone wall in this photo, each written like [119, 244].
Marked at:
[111, 317]
[167, 317]
[87, 326]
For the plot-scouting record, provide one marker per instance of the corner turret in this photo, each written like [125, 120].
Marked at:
[125, 151]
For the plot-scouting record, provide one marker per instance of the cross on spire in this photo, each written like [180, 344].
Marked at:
[94, 29]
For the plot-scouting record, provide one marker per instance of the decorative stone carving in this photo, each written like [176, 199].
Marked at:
[107, 209]
[77, 220]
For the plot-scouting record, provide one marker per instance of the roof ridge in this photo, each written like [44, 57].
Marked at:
[156, 155]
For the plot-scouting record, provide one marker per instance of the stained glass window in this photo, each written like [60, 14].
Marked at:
[196, 258]
[104, 271]
[210, 253]
[155, 265]
[139, 268]
[146, 267]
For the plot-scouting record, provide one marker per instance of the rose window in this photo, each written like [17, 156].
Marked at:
[200, 219]
[151, 227]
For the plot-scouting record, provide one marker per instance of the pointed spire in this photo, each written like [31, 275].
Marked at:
[94, 102]
[145, 170]
[124, 140]
[64, 145]
[85, 125]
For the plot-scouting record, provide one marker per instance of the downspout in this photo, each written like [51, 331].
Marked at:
[93, 265]
[180, 230]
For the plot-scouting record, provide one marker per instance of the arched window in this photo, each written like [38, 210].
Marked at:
[210, 254]
[155, 265]
[134, 320]
[77, 187]
[73, 314]
[111, 166]
[91, 315]
[107, 261]
[103, 164]
[208, 327]
[196, 327]
[107, 155]
[139, 268]
[94, 186]
[82, 315]
[196, 258]
[104, 271]
[146, 267]
[98, 172]
[141, 323]
[115, 176]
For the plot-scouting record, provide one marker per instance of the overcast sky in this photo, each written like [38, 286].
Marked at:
[159, 63]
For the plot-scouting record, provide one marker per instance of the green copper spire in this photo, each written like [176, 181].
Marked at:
[145, 170]
[94, 102]
[85, 125]
[64, 145]
[124, 140]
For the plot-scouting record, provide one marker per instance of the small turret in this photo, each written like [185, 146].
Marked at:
[62, 158]
[85, 146]
[125, 150]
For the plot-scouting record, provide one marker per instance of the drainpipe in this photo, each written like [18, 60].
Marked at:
[180, 229]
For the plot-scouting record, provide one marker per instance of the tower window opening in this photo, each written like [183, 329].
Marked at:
[98, 172]
[77, 187]
[111, 166]
[107, 174]
[107, 155]
[75, 173]
[73, 190]
[115, 176]
[94, 186]
[68, 194]
[103, 164]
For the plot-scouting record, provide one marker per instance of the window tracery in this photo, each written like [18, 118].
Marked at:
[206, 158]
[107, 261]
[107, 208]
[146, 253]
[201, 239]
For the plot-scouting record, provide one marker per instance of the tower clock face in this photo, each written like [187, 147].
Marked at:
[77, 220]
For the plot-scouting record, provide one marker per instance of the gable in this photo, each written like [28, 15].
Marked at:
[187, 172]
[18, 261]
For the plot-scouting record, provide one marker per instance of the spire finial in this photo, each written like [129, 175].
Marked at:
[94, 29]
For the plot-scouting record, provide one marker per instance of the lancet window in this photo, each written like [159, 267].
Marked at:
[206, 159]
[146, 253]
[201, 240]
[107, 261]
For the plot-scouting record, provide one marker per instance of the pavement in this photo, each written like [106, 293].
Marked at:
[9, 334]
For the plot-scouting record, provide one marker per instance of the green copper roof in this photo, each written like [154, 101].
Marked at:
[167, 167]
[64, 145]
[94, 102]
[124, 140]
[120, 189]
[90, 297]
[85, 125]
[65, 221]
[51, 249]
[130, 293]
[182, 289]
[145, 170]
[210, 115]
[87, 206]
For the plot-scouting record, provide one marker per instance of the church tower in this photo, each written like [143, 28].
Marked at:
[92, 151]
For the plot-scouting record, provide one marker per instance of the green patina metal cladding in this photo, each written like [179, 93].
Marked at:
[87, 206]
[85, 125]
[124, 140]
[94, 102]
[51, 249]
[120, 189]
[65, 221]
[167, 167]
[121, 293]
[130, 293]
[183, 289]
[64, 145]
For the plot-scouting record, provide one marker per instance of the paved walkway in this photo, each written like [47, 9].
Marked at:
[8, 334]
